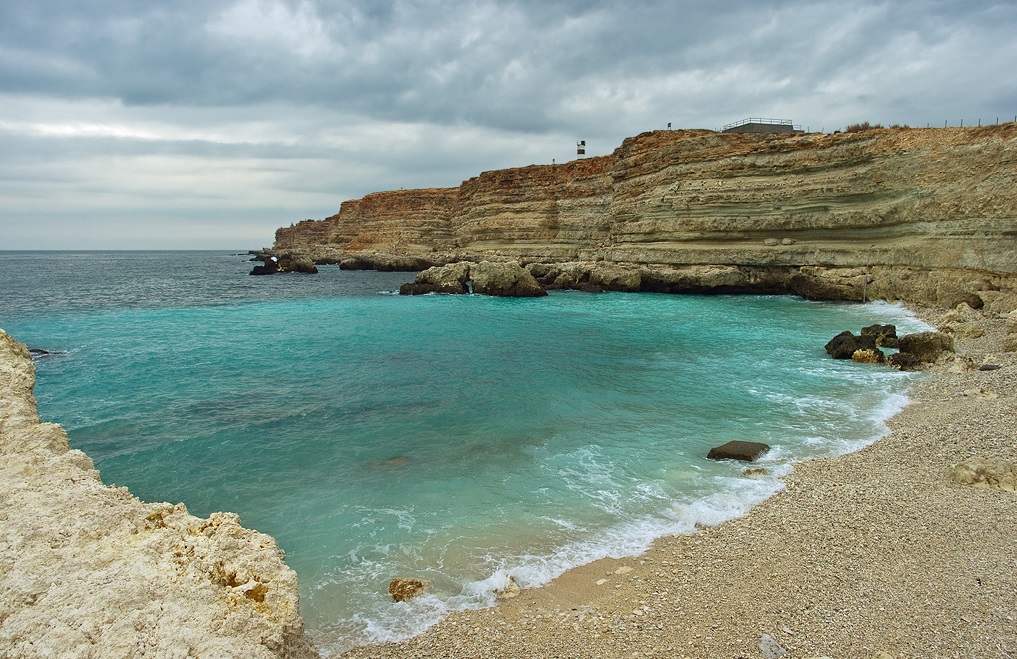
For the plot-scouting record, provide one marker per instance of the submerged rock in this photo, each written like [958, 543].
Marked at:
[738, 450]
[403, 590]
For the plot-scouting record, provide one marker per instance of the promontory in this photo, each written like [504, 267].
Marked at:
[923, 216]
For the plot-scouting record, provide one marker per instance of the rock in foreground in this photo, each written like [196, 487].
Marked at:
[88, 570]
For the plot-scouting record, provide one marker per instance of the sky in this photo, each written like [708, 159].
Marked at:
[207, 124]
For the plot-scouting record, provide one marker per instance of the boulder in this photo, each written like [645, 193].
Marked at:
[269, 266]
[403, 590]
[926, 346]
[845, 344]
[868, 356]
[738, 450]
[982, 472]
[504, 280]
[451, 278]
[904, 361]
[884, 335]
[297, 264]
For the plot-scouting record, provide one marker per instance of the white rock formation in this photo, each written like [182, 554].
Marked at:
[88, 570]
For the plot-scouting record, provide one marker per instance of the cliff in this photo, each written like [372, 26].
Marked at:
[920, 215]
[88, 570]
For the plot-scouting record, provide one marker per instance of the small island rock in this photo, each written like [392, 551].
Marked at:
[738, 450]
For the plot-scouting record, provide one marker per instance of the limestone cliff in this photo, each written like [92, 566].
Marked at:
[88, 570]
[921, 215]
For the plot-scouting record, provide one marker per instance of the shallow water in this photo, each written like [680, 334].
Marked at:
[458, 439]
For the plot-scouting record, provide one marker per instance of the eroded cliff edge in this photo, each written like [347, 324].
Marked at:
[918, 215]
[88, 570]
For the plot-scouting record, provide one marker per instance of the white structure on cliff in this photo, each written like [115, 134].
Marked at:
[760, 125]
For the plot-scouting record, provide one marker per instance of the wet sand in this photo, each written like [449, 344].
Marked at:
[874, 554]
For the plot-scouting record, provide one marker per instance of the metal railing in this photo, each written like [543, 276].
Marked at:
[760, 120]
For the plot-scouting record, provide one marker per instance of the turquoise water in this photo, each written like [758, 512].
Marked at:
[457, 439]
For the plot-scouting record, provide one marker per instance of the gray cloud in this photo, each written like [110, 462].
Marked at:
[125, 124]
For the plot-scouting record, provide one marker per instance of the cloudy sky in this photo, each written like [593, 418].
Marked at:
[183, 124]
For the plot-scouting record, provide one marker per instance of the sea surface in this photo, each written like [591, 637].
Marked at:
[462, 440]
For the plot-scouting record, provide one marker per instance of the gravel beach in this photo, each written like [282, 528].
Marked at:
[880, 553]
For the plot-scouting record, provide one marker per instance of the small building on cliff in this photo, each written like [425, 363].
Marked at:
[760, 125]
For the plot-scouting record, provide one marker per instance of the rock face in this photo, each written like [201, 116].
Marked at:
[918, 215]
[88, 570]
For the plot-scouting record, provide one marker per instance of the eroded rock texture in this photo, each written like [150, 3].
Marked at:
[920, 215]
[88, 570]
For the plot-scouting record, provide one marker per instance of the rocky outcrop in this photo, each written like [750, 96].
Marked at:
[272, 264]
[485, 278]
[88, 570]
[919, 215]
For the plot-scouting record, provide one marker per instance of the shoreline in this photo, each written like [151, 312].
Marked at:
[872, 553]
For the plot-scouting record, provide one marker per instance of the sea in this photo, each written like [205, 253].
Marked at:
[467, 441]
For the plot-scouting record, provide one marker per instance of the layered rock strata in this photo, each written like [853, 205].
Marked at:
[919, 215]
[88, 570]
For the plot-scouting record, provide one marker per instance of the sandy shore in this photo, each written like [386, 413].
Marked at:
[877, 553]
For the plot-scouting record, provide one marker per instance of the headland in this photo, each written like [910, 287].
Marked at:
[923, 216]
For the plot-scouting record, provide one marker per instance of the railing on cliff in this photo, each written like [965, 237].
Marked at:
[762, 121]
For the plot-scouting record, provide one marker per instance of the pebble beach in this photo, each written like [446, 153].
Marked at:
[891, 551]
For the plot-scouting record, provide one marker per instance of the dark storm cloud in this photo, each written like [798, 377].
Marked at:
[311, 102]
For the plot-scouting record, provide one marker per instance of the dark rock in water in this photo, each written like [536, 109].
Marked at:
[884, 335]
[297, 264]
[738, 450]
[403, 590]
[926, 346]
[39, 353]
[989, 367]
[845, 344]
[269, 265]
[904, 361]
